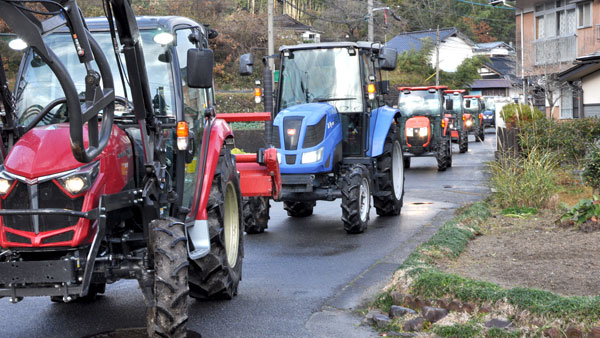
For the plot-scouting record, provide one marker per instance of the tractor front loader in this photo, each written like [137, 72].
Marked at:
[114, 164]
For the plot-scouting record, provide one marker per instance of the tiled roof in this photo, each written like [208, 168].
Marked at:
[413, 40]
[491, 83]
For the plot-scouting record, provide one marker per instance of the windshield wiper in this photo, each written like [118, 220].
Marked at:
[326, 99]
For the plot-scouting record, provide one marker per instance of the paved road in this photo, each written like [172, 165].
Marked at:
[302, 278]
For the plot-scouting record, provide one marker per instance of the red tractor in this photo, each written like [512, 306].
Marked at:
[120, 170]
[474, 108]
[461, 120]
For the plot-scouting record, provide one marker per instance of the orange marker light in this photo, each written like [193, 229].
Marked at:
[257, 92]
[443, 123]
[464, 118]
[291, 132]
[182, 129]
[371, 88]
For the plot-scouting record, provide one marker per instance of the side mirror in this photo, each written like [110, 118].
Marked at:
[468, 104]
[212, 33]
[200, 68]
[246, 64]
[449, 105]
[387, 58]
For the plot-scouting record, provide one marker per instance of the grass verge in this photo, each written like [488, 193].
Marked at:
[531, 308]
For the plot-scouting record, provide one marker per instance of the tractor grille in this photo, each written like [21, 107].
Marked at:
[64, 237]
[416, 141]
[49, 196]
[291, 131]
[18, 199]
[276, 141]
[314, 134]
[290, 159]
[16, 238]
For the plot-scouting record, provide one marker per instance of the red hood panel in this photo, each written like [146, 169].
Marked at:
[45, 150]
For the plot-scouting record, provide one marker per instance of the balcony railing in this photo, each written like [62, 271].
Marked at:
[555, 50]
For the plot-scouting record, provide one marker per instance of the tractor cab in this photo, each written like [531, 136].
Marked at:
[456, 111]
[424, 126]
[474, 108]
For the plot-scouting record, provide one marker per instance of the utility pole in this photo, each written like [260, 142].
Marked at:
[437, 56]
[271, 45]
[370, 30]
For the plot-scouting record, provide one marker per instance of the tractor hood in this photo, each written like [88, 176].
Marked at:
[312, 112]
[44, 151]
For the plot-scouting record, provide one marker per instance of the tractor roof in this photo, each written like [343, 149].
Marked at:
[472, 96]
[455, 91]
[168, 23]
[423, 88]
[341, 44]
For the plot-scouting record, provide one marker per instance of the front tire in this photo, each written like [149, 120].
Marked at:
[299, 209]
[444, 156]
[390, 167]
[167, 244]
[256, 214]
[218, 274]
[406, 162]
[480, 137]
[356, 199]
[463, 143]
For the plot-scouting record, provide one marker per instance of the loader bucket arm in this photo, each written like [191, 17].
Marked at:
[97, 98]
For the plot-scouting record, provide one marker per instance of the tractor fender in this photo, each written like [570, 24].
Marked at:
[220, 131]
[381, 120]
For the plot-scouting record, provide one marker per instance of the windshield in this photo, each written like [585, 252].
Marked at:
[38, 86]
[474, 107]
[490, 104]
[456, 102]
[419, 102]
[322, 75]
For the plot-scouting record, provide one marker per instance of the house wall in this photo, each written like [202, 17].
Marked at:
[588, 39]
[528, 38]
[591, 88]
[453, 51]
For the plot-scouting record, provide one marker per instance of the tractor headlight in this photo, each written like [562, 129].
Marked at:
[423, 131]
[410, 132]
[469, 123]
[81, 180]
[312, 156]
[5, 186]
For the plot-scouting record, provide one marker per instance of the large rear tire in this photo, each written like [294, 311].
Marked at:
[256, 214]
[390, 180]
[299, 209]
[356, 199]
[167, 245]
[218, 274]
[463, 143]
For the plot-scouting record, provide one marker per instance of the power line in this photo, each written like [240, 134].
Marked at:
[485, 5]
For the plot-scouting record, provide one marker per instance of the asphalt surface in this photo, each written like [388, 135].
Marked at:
[302, 278]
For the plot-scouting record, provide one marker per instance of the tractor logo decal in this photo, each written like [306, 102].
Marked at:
[330, 124]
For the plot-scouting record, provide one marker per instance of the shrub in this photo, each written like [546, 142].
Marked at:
[591, 167]
[527, 181]
[584, 210]
[515, 114]
[569, 139]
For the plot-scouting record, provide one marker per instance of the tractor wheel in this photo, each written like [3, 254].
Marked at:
[356, 199]
[390, 168]
[406, 162]
[168, 249]
[218, 274]
[444, 156]
[299, 209]
[463, 143]
[480, 136]
[256, 214]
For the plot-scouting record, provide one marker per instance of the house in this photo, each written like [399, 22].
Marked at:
[497, 48]
[290, 28]
[587, 72]
[498, 78]
[455, 47]
[551, 35]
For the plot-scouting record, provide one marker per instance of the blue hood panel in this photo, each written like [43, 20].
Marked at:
[311, 114]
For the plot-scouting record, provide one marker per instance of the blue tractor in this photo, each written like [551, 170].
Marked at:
[335, 136]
